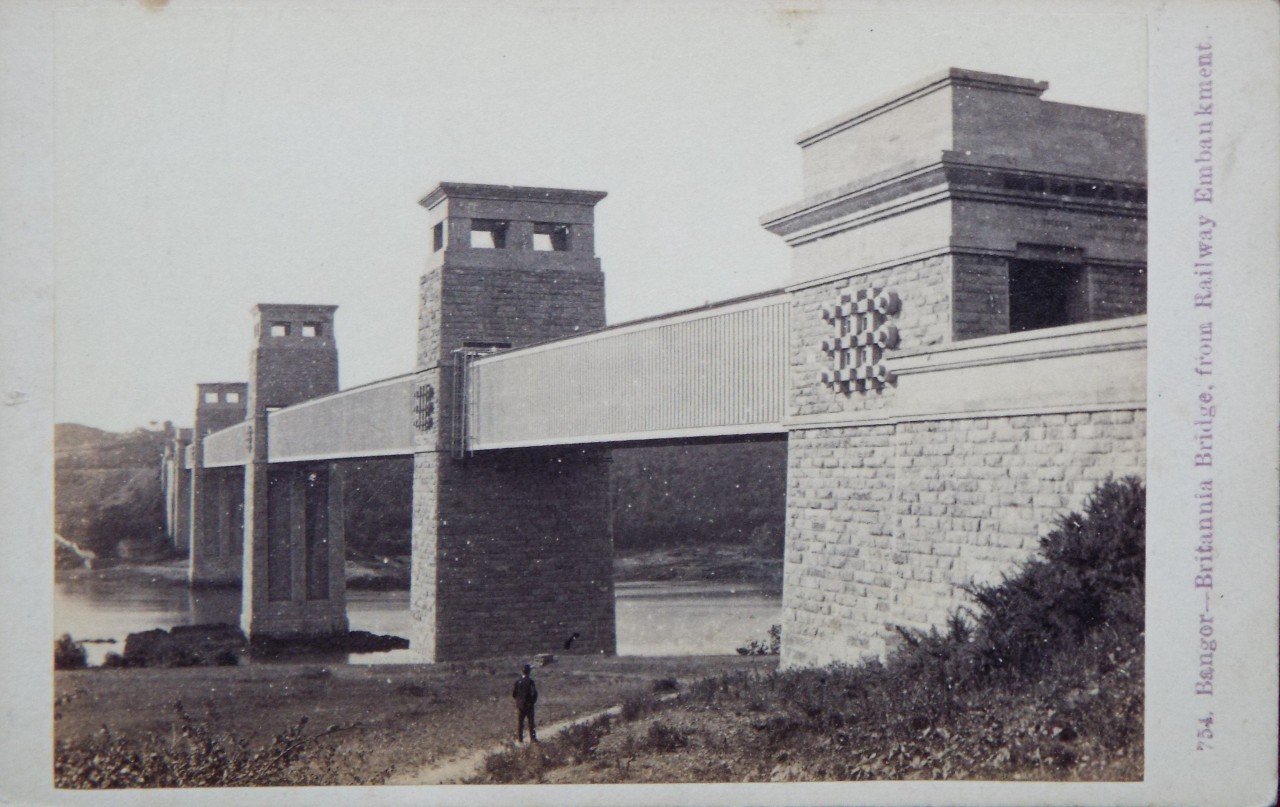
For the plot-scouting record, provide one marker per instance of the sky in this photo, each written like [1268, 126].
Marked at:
[211, 158]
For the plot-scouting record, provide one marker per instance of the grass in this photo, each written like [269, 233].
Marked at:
[341, 723]
[1042, 679]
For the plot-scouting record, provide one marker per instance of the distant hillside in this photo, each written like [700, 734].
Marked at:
[107, 486]
[667, 496]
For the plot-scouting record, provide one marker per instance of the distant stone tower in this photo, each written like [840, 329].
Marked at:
[176, 482]
[294, 581]
[512, 549]
[217, 494]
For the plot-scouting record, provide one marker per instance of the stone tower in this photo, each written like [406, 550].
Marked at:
[217, 494]
[294, 581]
[512, 549]
[176, 483]
[963, 253]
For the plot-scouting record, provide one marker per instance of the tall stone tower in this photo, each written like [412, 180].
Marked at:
[217, 494]
[512, 549]
[176, 483]
[294, 581]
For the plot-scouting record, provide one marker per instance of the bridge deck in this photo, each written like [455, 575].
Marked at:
[715, 371]
[719, 370]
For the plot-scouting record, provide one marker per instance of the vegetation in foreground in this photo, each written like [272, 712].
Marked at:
[1041, 680]
[312, 724]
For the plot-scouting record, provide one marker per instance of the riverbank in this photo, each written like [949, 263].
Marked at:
[365, 724]
[703, 562]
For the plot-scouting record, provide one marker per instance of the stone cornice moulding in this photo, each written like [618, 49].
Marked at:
[953, 76]
[509, 193]
[953, 176]
[1100, 336]
[877, 419]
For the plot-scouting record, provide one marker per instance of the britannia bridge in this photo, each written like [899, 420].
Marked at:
[957, 358]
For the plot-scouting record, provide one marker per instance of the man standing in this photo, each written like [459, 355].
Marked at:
[526, 694]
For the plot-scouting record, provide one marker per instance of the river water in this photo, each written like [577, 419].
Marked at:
[653, 619]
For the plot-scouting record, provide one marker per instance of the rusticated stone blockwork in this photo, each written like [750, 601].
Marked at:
[886, 522]
[924, 319]
[516, 556]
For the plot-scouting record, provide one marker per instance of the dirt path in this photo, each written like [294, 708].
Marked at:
[456, 768]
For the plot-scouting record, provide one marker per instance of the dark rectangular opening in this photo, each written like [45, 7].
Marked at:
[316, 526]
[1045, 294]
[550, 237]
[279, 537]
[437, 237]
[487, 234]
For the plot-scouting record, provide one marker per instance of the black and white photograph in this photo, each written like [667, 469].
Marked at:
[765, 402]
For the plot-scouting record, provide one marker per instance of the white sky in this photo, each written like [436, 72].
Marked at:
[212, 158]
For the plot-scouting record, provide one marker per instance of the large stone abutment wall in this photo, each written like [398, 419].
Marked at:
[885, 523]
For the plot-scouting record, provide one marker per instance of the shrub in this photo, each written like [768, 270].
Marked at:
[193, 754]
[770, 646]
[581, 739]
[635, 708]
[664, 685]
[69, 654]
[666, 737]
[1090, 574]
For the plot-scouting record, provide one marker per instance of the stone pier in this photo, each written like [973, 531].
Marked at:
[217, 494]
[294, 560]
[512, 550]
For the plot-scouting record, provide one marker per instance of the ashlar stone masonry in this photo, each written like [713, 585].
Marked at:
[1012, 231]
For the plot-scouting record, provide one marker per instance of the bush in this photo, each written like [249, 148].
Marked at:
[195, 755]
[1090, 574]
[665, 685]
[665, 737]
[636, 707]
[770, 646]
[69, 654]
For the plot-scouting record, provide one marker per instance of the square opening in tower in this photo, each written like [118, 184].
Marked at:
[549, 237]
[1044, 294]
[488, 234]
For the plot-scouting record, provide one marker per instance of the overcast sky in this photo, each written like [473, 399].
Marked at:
[210, 159]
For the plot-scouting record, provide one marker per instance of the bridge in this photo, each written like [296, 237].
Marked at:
[957, 359]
